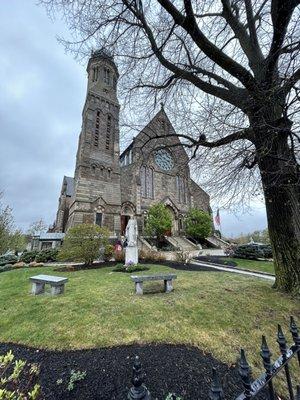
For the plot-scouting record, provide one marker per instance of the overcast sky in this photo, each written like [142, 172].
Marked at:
[42, 92]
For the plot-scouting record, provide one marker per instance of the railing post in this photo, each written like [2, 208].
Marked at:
[266, 356]
[245, 374]
[296, 338]
[283, 349]
[139, 390]
[216, 391]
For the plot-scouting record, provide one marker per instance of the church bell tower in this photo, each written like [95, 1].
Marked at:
[97, 197]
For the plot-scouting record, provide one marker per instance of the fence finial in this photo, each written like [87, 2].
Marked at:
[245, 373]
[281, 340]
[216, 391]
[295, 331]
[266, 355]
[138, 390]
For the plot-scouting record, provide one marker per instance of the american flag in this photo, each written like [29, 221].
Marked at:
[217, 218]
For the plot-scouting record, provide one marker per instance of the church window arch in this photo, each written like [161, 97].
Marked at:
[108, 132]
[181, 186]
[146, 175]
[96, 132]
[106, 75]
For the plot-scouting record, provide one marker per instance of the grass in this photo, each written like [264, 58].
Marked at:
[217, 312]
[254, 265]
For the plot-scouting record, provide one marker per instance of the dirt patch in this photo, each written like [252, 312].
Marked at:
[217, 260]
[171, 264]
[169, 368]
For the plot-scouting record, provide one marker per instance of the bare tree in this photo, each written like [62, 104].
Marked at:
[244, 56]
[37, 227]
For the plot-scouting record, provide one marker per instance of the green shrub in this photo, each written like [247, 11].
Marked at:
[7, 267]
[47, 255]
[159, 221]
[82, 243]
[248, 251]
[198, 224]
[130, 268]
[108, 252]
[28, 256]
[8, 259]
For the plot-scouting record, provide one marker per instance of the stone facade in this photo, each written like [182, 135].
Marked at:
[109, 188]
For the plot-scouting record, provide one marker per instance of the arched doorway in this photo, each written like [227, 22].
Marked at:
[127, 211]
[174, 227]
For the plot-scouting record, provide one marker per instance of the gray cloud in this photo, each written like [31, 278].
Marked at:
[42, 93]
[41, 96]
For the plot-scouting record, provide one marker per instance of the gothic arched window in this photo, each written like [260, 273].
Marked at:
[181, 189]
[96, 133]
[146, 175]
[106, 76]
[108, 132]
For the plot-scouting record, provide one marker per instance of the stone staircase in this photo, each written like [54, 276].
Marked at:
[182, 243]
[216, 242]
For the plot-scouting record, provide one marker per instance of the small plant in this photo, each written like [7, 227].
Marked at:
[183, 257]
[172, 396]
[75, 376]
[18, 379]
[59, 381]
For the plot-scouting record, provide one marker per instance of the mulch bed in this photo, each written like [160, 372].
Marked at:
[179, 369]
[171, 264]
[217, 260]
[79, 267]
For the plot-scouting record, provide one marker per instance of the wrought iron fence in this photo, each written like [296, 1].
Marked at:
[251, 388]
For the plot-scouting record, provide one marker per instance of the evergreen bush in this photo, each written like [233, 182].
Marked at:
[8, 259]
[248, 251]
[28, 256]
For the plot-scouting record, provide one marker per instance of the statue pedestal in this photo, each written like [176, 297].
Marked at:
[131, 255]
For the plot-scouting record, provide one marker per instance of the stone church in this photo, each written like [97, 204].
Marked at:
[109, 187]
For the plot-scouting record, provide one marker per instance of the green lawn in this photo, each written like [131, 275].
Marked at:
[254, 265]
[218, 312]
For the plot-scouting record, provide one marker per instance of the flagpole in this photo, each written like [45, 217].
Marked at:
[218, 221]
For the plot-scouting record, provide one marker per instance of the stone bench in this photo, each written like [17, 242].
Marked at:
[140, 279]
[57, 284]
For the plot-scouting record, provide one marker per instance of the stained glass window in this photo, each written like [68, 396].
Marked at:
[146, 175]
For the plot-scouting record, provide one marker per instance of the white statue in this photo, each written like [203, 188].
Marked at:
[131, 250]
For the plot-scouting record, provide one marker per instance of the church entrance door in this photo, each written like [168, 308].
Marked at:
[173, 229]
[124, 222]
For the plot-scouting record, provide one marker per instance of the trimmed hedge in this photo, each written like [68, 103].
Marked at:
[47, 255]
[251, 252]
[28, 256]
[39, 256]
[130, 268]
[8, 259]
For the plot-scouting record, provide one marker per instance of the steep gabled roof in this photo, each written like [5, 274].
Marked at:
[161, 114]
[68, 182]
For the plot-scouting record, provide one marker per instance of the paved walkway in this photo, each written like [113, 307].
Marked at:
[233, 270]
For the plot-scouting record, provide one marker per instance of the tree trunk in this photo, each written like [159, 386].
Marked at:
[281, 184]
